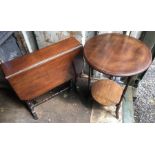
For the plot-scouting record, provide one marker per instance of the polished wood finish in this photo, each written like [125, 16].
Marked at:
[36, 73]
[117, 54]
[106, 92]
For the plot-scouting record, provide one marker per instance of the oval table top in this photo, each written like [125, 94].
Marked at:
[117, 54]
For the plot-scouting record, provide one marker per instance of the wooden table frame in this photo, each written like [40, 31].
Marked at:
[117, 55]
[31, 104]
[110, 77]
[37, 73]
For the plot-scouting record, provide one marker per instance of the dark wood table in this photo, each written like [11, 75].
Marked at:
[36, 73]
[117, 55]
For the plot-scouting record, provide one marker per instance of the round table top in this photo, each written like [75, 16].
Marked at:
[117, 54]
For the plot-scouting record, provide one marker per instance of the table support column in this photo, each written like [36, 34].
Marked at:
[89, 78]
[90, 74]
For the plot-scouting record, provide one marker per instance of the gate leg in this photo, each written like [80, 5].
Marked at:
[30, 106]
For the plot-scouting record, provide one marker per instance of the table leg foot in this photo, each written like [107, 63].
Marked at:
[30, 106]
[117, 110]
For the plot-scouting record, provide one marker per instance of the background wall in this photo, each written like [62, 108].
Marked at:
[45, 38]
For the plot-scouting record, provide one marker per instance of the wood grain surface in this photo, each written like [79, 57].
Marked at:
[106, 92]
[117, 54]
[34, 74]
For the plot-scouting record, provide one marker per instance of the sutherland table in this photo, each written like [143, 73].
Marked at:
[117, 55]
[34, 74]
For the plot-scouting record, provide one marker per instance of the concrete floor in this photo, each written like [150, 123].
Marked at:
[67, 107]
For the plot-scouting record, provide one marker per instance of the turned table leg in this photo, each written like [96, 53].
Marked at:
[30, 105]
[74, 82]
[124, 91]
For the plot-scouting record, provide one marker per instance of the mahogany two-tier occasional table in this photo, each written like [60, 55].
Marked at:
[117, 55]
